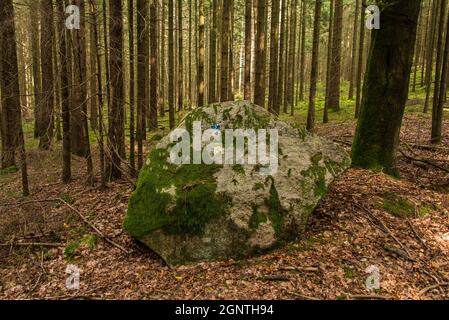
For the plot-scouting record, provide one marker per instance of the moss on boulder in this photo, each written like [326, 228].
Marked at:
[189, 213]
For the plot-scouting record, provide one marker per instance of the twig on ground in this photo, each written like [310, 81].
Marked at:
[368, 297]
[420, 239]
[32, 244]
[92, 226]
[274, 278]
[426, 161]
[383, 226]
[301, 296]
[433, 287]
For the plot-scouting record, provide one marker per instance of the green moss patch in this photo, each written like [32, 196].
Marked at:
[397, 205]
[177, 199]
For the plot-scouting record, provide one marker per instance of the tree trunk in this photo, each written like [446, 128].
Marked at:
[282, 57]
[201, 54]
[386, 87]
[437, 108]
[154, 66]
[225, 49]
[329, 61]
[46, 113]
[430, 52]
[303, 50]
[180, 59]
[360, 60]
[37, 81]
[171, 64]
[11, 114]
[116, 134]
[289, 103]
[259, 89]
[248, 36]
[352, 75]
[314, 68]
[213, 54]
[132, 91]
[65, 95]
[335, 71]
[274, 57]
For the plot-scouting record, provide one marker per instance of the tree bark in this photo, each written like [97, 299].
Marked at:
[386, 87]
[11, 113]
[259, 89]
[314, 67]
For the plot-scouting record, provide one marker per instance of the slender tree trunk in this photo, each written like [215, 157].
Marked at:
[132, 91]
[11, 112]
[303, 50]
[37, 81]
[154, 66]
[259, 89]
[274, 57]
[335, 73]
[329, 61]
[352, 75]
[79, 112]
[289, 102]
[225, 49]
[386, 87]
[171, 64]
[201, 53]
[360, 60]
[163, 61]
[180, 59]
[116, 136]
[63, 35]
[101, 128]
[213, 54]
[314, 67]
[282, 57]
[430, 52]
[142, 76]
[437, 109]
[94, 71]
[46, 114]
[248, 37]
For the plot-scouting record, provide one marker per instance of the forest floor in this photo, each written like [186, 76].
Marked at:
[400, 226]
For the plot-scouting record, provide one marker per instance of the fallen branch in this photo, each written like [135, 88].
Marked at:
[274, 278]
[301, 296]
[412, 227]
[342, 142]
[33, 244]
[383, 226]
[299, 269]
[433, 287]
[369, 297]
[92, 226]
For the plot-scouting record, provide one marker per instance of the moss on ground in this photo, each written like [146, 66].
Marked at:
[397, 205]
[179, 200]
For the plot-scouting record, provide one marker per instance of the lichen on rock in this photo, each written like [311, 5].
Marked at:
[198, 212]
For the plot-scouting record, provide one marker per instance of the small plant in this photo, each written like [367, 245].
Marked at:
[398, 206]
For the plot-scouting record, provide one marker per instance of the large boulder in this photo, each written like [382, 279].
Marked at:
[197, 212]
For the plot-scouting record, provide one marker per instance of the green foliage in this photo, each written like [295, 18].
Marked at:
[398, 205]
[88, 241]
[8, 170]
